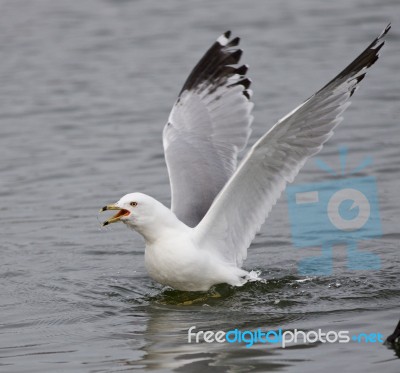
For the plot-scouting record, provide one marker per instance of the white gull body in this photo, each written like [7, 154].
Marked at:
[173, 255]
[217, 208]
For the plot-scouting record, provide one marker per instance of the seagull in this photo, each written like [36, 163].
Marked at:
[218, 206]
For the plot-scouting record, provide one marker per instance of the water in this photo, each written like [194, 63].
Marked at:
[85, 89]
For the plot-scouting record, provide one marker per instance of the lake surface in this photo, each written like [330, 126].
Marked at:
[85, 89]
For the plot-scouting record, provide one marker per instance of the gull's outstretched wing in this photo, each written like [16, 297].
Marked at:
[208, 125]
[275, 159]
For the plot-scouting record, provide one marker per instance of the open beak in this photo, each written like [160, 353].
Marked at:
[117, 217]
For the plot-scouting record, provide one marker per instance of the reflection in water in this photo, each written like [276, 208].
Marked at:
[157, 328]
[166, 344]
[167, 322]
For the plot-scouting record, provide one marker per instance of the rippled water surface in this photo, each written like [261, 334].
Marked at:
[85, 89]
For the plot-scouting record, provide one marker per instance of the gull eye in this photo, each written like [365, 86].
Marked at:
[133, 204]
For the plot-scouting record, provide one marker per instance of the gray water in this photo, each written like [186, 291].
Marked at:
[85, 89]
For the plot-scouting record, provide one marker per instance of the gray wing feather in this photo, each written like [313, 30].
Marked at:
[208, 125]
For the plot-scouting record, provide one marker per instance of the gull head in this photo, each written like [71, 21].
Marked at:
[141, 212]
[133, 209]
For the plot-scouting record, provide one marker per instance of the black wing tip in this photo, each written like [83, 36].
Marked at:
[227, 34]
[361, 77]
[224, 41]
[236, 55]
[245, 82]
[247, 94]
[379, 42]
[385, 31]
[217, 65]
[358, 79]
[242, 70]
[371, 54]
[234, 42]
[356, 70]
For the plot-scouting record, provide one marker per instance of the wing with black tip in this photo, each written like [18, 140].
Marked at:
[208, 125]
[240, 209]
